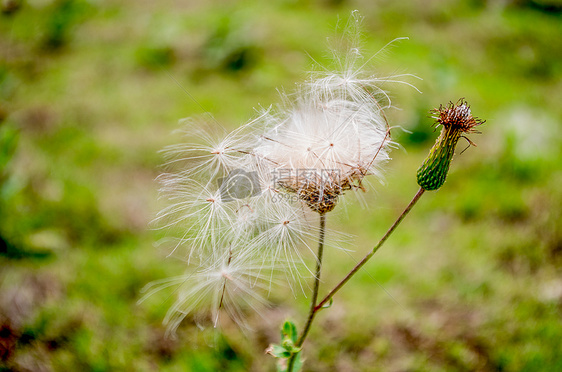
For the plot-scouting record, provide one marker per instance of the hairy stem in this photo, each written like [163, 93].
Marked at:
[371, 253]
[314, 298]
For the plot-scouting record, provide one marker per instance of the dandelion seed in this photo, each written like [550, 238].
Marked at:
[229, 281]
[198, 211]
[285, 233]
[212, 156]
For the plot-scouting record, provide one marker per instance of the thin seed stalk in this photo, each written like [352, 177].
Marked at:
[371, 253]
[314, 298]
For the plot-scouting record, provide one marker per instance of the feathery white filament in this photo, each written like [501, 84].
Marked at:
[292, 161]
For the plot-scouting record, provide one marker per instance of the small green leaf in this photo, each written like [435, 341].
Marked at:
[278, 351]
[287, 349]
[290, 331]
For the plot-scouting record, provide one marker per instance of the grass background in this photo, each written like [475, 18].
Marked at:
[470, 282]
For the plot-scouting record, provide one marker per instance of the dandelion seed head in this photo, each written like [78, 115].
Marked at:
[240, 203]
[337, 143]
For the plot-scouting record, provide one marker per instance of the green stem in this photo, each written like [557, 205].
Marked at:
[314, 298]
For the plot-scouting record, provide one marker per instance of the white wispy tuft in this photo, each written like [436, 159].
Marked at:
[230, 279]
[241, 204]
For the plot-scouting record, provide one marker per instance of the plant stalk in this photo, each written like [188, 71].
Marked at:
[312, 311]
[315, 307]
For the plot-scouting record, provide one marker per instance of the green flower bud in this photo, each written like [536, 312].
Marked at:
[456, 120]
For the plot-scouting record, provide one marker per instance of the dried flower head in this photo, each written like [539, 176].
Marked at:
[321, 148]
[457, 117]
[456, 120]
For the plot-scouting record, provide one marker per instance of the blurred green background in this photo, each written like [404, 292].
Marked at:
[472, 280]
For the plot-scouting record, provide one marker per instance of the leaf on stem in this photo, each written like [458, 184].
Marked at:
[287, 349]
